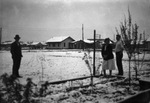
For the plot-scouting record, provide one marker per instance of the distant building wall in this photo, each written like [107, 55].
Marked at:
[65, 44]
[148, 45]
[80, 45]
[53, 45]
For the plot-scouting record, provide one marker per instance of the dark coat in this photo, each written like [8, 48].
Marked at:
[108, 52]
[16, 50]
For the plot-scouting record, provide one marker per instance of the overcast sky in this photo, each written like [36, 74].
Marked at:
[39, 20]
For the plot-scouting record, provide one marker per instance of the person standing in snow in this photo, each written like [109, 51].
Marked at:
[119, 53]
[16, 56]
[108, 57]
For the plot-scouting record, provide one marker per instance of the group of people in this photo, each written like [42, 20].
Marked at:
[107, 54]
[108, 57]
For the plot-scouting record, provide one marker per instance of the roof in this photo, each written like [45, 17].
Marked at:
[35, 43]
[86, 41]
[148, 39]
[57, 39]
[138, 42]
[7, 42]
[43, 43]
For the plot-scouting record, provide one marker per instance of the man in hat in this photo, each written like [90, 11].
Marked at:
[16, 56]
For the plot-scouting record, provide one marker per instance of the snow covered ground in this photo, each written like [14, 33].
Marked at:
[59, 65]
[54, 65]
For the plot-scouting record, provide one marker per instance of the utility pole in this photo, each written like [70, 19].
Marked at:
[83, 36]
[94, 53]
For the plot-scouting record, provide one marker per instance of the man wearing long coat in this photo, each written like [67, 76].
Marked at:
[16, 56]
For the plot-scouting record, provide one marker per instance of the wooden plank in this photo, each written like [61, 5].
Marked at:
[64, 81]
[144, 84]
[118, 76]
[80, 78]
[142, 97]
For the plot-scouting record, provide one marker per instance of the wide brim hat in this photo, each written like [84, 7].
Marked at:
[17, 37]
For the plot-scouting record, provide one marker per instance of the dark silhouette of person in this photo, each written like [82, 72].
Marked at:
[119, 53]
[108, 57]
[16, 56]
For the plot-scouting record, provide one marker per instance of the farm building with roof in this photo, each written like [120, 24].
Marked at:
[61, 42]
[147, 43]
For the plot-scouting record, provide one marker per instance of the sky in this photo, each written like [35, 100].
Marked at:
[39, 20]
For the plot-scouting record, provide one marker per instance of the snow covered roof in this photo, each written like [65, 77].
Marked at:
[43, 43]
[35, 43]
[57, 39]
[88, 41]
[148, 39]
[23, 43]
[137, 42]
[7, 42]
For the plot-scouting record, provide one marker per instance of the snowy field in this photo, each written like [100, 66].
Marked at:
[54, 65]
[60, 65]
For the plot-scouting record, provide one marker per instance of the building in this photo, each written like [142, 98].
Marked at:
[86, 44]
[147, 44]
[82, 44]
[37, 45]
[138, 45]
[62, 42]
[6, 45]
[98, 43]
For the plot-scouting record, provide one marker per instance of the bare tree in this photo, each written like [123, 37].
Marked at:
[131, 39]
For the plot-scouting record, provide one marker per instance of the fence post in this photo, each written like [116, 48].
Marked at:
[94, 54]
